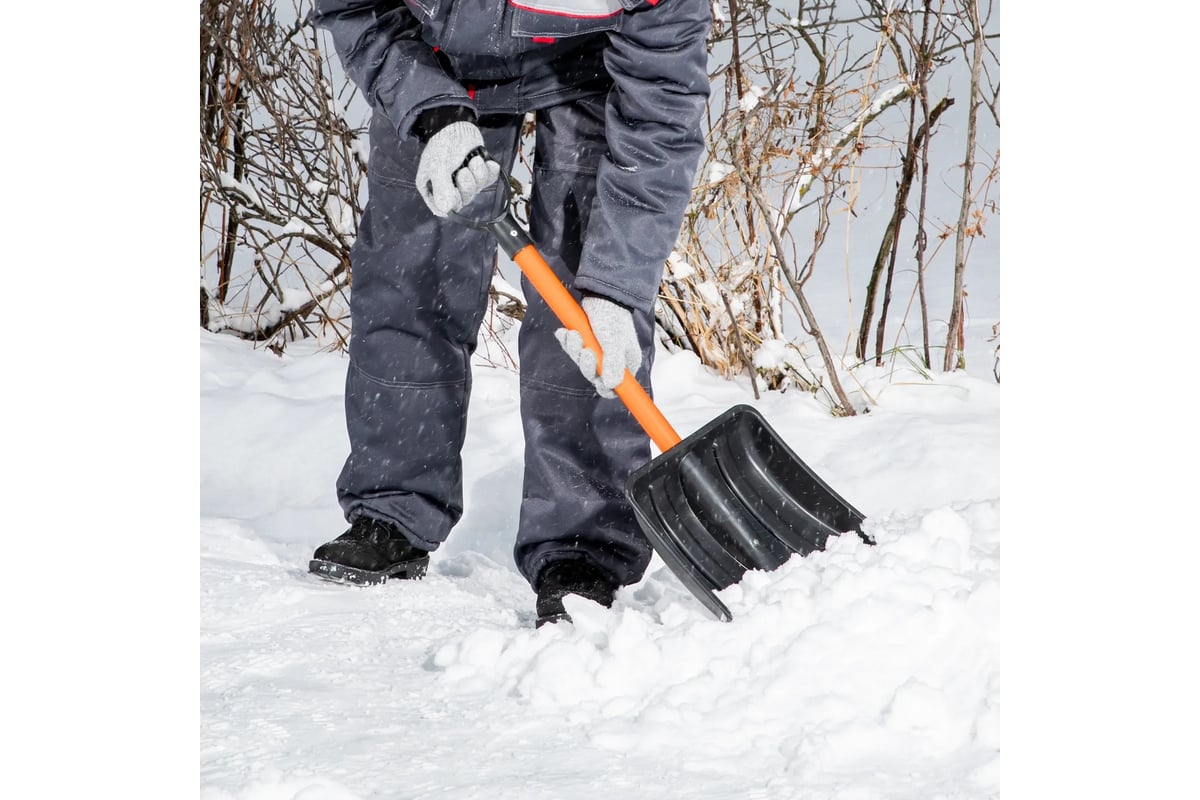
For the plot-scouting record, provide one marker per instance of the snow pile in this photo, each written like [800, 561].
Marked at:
[776, 354]
[879, 661]
[859, 671]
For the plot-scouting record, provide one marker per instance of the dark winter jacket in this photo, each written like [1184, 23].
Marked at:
[513, 56]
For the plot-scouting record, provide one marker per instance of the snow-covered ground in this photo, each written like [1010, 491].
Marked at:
[103, 438]
[859, 672]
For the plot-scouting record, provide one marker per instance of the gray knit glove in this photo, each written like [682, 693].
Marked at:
[613, 325]
[452, 169]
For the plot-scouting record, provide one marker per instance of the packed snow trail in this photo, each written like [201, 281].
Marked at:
[857, 672]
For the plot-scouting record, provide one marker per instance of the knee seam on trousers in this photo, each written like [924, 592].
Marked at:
[406, 384]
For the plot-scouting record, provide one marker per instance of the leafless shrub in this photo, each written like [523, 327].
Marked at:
[801, 95]
[971, 216]
[280, 173]
[798, 96]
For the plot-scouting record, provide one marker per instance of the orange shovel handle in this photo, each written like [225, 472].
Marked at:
[573, 317]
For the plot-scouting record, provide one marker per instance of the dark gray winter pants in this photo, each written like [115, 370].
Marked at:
[419, 295]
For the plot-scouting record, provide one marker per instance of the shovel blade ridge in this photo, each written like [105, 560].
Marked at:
[731, 497]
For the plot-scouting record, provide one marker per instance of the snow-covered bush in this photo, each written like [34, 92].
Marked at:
[821, 131]
[281, 167]
[811, 102]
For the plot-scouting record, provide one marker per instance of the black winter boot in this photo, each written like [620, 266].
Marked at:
[571, 577]
[369, 553]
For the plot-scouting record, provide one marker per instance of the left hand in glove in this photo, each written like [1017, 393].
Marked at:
[454, 168]
[613, 325]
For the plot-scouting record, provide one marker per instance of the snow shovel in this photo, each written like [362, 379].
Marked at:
[730, 497]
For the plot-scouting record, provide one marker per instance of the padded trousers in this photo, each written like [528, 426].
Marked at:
[419, 295]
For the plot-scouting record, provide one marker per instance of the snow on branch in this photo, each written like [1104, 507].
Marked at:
[281, 171]
[847, 134]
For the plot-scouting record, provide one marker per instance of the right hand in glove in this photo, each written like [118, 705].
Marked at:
[454, 168]
[613, 325]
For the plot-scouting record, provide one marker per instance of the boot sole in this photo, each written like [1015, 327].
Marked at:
[551, 619]
[340, 573]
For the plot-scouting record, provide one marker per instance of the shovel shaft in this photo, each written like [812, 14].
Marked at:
[573, 317]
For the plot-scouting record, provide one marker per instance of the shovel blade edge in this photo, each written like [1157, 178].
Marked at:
[732, 497]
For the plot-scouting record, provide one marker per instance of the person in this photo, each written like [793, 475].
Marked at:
[617, 89]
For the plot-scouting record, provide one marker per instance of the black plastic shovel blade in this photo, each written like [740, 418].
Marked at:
[732, 497]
